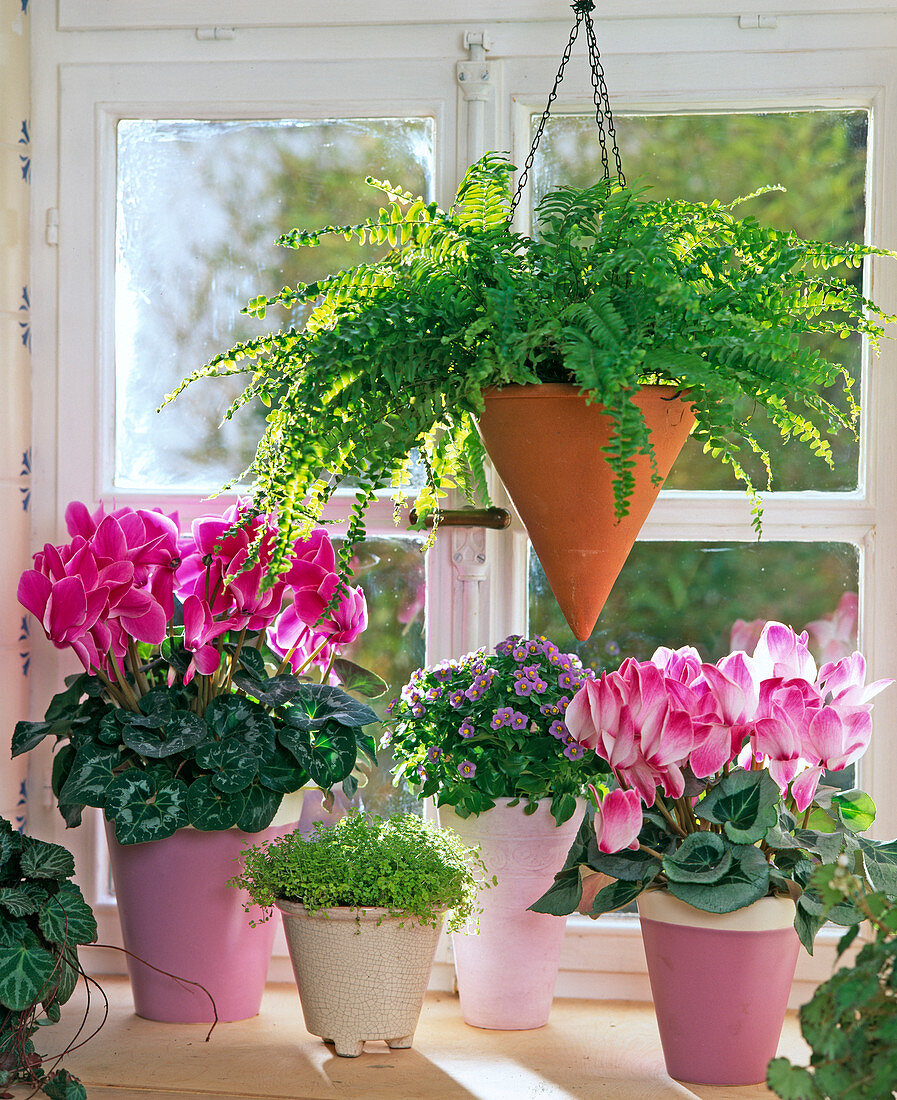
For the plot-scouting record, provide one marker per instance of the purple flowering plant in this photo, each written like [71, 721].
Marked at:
[491, 725]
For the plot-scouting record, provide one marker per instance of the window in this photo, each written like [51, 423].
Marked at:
[272, 116]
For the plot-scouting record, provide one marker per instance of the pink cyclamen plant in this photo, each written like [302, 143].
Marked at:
[717, 770]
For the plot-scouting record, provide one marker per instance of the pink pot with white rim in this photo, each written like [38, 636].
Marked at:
[720, 984]
[507, 973]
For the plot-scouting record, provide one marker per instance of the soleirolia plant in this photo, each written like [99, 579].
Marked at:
[617, 290]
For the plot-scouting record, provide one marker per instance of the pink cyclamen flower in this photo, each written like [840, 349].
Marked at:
[618, 821]
[780, 652]
[835, 636]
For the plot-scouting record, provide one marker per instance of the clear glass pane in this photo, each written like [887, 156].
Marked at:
[200, 205]
[818, 156]
[714, 596]
[391, 572]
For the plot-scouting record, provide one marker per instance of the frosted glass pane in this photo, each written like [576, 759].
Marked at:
[818, 156]
[200, 205]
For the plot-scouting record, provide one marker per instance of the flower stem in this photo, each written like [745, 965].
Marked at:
[308, 660]
[651, 852]
[134, 660]
[658, 802]
[127, 692]
[235, 656]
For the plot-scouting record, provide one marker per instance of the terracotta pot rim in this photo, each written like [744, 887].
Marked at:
[543, 390]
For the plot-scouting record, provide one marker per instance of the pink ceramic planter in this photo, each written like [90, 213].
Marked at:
[720, 985]
[177, 913]
[506, 974]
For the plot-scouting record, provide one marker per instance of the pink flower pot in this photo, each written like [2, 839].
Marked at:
[506, 974]
[178, 914]
[720, 984]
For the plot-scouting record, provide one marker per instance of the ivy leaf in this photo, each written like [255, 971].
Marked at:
[355, 678]
[746, 880]
[26, 968]
[146, 807]
[66, 917]
[745, 803]
[700, 858]
[211, 809]
[40, 859]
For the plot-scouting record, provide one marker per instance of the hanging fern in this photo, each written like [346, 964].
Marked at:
[616, 291]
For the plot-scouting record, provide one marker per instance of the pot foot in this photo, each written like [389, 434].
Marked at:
[400, 1044]
[348, 1048]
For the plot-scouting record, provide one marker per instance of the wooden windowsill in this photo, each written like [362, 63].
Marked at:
[603, 1050]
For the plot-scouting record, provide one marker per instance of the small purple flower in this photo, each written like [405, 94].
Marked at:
[434, 753]
[467, 768]
[539, 686]
[523, 687]
[418, 711]
[566, 680]
[564, 702]
[456, 699]
[520, 653]
[518, 720]
[612, 649]
[473, 692]
[549, 708]
[466, 729]
[559, 730]
[433, 694]
[422, 772]
[442, 672]
[574, 751]
[502, 717]
[393, 703]
[505, 648]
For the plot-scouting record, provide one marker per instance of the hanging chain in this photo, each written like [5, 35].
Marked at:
[582, 10]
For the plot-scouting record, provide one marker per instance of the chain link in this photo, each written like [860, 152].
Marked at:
[582, 10]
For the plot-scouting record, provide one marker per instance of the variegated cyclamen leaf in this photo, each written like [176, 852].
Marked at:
[144, 807]
[233, 763]
[91, 776]
[700, 858]
[746, 881]
[258, 809]
[211, 809]
[744, 802]
[282, 773]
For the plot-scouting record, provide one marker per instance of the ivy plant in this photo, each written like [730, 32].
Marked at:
[402, 864]
[850, 1023]
[616, 290]
[43, 919]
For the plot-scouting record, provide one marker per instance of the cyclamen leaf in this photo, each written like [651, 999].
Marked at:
[700, 858]
[746, 880]
[323, 703]
[616, 895]
[745, 803]
[91, 776]
[562, 897]
[144, 808]
[881, 864]
[27, 735]
[210, 809]
[235, 765]
[182, 731]
[282, 773]
[355, 678]
[856, 809]
[258, 809]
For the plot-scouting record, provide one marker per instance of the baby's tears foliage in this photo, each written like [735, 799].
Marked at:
[402, 864]
[616, 290]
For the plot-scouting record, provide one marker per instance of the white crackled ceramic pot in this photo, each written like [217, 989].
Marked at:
[359, 979]
[506, 974]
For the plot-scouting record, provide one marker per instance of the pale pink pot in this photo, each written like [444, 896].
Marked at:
[506, 974]
[177, 912]
[720, 984]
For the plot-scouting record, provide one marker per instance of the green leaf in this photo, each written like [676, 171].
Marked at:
[700, 858]
[210, 809]
[66, 917]
[745, 803]
[807, 922]
[145, 807]
[259, 807]
[252, 661]
[27, 735]
[46, 861]
[563, 896]
[282, 772]
[62, 765]
[274, 692]
[63, 1086]
[182, 731]
[881, 864]
[324, 703]
[616, 895]
[333, 757]
[746, 880]
[855, 809]
[64, 704]
[235, 716]
[298, 743]
[91, 775]
[10, 846]
[26, 969]
[234, 763]
[823, 844]
[355, 678]
[23, 900]
[791, 1082]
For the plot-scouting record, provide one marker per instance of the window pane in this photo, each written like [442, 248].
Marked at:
[391, 571]
[818, 156]
[200, 205]
[714, 596]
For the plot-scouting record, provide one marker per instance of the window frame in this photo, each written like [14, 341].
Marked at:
[844, 57]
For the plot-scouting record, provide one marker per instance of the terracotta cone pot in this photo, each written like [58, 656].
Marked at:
[547, 445]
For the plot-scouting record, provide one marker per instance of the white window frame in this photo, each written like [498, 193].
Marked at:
[97, 60]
